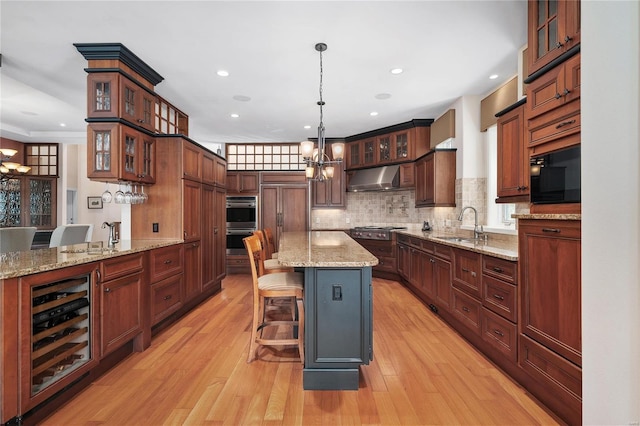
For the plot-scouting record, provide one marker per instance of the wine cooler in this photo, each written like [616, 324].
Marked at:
[61, 330]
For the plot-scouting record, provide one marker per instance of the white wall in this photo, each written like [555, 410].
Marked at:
[610, 207]
[470, 157]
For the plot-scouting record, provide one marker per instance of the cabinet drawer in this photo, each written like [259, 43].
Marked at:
[500, 268]
[404, 239]
[428, 246]
[563, 122]
[121, 266]
[500, 297]
[467, 310]
[467, 271]
[500, 333]
[165, 298]
[441, 251]
[549, 368]
[378, 248]
[165, 261]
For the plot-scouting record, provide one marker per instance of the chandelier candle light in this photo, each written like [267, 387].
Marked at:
[319, 165]
[8, 169]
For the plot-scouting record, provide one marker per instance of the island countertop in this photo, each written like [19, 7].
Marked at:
[19, 264]
[319, 249]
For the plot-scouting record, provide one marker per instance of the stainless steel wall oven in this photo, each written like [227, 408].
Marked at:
[242, 214]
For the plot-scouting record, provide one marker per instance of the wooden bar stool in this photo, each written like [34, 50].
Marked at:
[289, 285]
[271, 245]
[268, 265]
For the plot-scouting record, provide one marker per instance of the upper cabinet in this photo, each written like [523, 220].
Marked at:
[246, 183]
[330, 193]
[513, 157]
[391, 145]
[554, 29]
[435, 175]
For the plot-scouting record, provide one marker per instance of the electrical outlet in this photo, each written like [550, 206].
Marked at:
[348, 220]
[156, 227]
[317, 220]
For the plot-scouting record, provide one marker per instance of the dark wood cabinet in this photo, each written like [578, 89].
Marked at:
[245, 183]
[284, 203]
[467, 271]
[121, 284]
[553, 30]
[165, 281]
[120, 153]
[436, 179]
[192, 210]
[550, 344]
[513, 157]
[331, 193]
[361, 154]
[213, 241]
[192, 270]
[558, 86]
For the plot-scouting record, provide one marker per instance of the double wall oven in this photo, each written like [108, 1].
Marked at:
[242, 214]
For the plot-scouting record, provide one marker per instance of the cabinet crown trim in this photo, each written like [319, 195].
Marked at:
[418, 122]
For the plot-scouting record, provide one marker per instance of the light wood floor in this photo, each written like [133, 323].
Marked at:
[196, 373]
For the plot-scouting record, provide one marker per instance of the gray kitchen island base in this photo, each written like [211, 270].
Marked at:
[338, 331]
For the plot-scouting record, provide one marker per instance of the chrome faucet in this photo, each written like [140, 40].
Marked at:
[478, 231]
[113, 239]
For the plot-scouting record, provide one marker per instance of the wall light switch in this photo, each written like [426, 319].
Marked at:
[348, 220]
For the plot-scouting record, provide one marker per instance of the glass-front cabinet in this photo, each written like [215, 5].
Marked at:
[554, 28]
[117, 152]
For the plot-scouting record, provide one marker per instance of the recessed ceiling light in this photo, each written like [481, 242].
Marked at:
[382, 96]
[493, 76]
[373, 113]
[63, 125]
[307, 127]
[234, 115]
[223, 73]
[396, 71]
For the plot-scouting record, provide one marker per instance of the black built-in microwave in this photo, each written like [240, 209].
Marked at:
[555, 177]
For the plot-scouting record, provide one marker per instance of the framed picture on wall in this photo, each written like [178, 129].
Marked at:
[94, 202]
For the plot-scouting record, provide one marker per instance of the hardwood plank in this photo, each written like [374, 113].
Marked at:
[195, 372]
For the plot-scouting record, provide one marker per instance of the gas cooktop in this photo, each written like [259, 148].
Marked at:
[374, 232]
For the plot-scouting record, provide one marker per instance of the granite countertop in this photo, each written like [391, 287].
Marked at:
[18, 264]
[503, 249]
[548, 216]
[331, 249]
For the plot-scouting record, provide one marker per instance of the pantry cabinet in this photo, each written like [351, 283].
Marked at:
[284, 207]
[244, 183]
[553, 30]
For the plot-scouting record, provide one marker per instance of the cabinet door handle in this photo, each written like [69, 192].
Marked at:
[464, 308]
[497, 296]
[567, 39]
[107, 290]
[185, 235]
[557, 231]
[557, 96]
[168, 297]
[98, 276]
[559, 45]
[215, 231]
[566, 92]
[432, 260]
[497, 269]
[166, 262]
[565, 123]
[465, 270]
[499, 333]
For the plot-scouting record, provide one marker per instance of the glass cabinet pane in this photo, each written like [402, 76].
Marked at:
[103, 96]
[402, 146]
[40, 202]
[10, 199]
[129, 154]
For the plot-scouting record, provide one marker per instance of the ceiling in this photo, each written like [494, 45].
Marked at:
[446, 48]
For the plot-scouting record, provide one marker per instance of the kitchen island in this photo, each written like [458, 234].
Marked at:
[338, 305]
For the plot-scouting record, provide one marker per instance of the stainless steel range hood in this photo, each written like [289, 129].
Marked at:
[376, 179]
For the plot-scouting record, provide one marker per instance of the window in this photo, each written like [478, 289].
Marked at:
[498, 215]
[264, 157]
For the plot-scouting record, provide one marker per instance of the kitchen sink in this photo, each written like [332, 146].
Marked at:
[462, 239]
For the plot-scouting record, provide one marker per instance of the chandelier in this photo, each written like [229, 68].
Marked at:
[319, 165]
[9, 169]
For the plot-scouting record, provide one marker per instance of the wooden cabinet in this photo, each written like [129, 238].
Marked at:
[436, 179]
[165, 281]
[513, 157]
[284, 203]
[391, 145]
[192, 210]
[407, 175]
[191, 161]
[245, 183]
[121, 301]
[192, 270]
[558, 86]
[330, 194]
[213, 232]
[554, 29]
[214, 170]
[386, 253]
[467, 271]
[550, 346]
[111, 94]
[116, 152]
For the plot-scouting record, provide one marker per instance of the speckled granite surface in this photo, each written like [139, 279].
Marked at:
[507, 250]
[548, 216]
[18, 264]
[322, 249]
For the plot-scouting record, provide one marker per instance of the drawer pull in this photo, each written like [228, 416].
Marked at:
[557, 96]
[499, 333]
[465, 270]
[107, 290]
[464, 308]
[166, 262]
[565, 123]
[432, 260]
[556, 230]
[497, 269]
[167, 297]
[565, 93]
[497, 296]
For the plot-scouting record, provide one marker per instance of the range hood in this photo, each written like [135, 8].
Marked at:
[375, 179]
